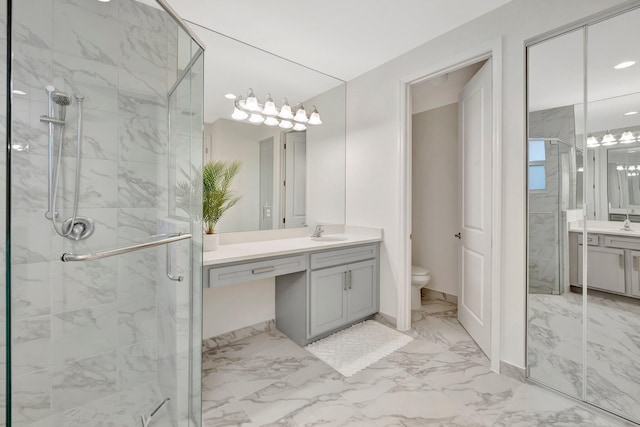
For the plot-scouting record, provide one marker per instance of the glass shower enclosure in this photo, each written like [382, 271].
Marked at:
[102, 297]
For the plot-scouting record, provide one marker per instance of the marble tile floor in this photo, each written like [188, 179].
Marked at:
[439, 379]
[613, 348]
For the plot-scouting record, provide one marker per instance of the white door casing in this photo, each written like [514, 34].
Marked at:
[476, 139]
[295, 181]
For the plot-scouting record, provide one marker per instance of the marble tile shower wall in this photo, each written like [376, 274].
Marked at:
[544, 206]
[84, 331]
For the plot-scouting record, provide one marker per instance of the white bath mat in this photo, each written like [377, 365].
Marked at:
[357, 347]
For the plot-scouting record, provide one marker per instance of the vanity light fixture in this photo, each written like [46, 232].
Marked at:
[630, 113]
[631, 168]
[624, 64]
[627, 138]
[269, 114]
[592, 141]
[609, 139]
[620, 168]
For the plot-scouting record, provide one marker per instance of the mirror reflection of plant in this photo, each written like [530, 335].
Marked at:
[214, 184]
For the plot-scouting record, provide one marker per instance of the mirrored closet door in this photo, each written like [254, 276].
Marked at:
[583, 170]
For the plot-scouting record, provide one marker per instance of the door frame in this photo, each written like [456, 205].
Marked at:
[491, 49]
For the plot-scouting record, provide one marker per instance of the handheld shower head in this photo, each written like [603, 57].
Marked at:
[61, 99]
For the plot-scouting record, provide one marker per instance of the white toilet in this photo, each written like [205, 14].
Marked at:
[420, 276]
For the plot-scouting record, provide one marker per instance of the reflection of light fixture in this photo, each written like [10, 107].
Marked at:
[619, 168]
[271, 121]
[625, 64]
[580, 169]
[609, 139]
[627, 138]
[592, 141]
[632, 168]
[251, 103]
[271, 115]
[285, 110]
[256, 118]
[229, 96]
[286, 124]
[630, 113]
[18, 92]
[314, 118]
[269, 107]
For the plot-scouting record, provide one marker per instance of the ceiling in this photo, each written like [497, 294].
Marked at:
[556, 73]
[341, 38]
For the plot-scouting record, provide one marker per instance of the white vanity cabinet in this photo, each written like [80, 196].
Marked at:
[605, 269]
[613, 262]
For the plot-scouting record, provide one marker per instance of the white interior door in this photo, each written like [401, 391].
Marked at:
[295, 181]
[476, 134]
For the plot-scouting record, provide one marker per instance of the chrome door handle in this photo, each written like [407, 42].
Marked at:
[349, 279]
[344, 280]
[458, 235]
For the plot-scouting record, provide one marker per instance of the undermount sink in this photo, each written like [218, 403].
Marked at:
[329, 239]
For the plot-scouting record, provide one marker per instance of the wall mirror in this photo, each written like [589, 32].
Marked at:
[288, 178]
[584, 264]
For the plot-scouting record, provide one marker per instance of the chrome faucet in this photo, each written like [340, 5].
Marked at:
[318, 231]
[626, 225]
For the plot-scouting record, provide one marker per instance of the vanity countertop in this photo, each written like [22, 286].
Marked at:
[606, 227]
[253, 250]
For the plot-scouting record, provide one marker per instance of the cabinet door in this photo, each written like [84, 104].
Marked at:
[635, 273]
[327, 299]
[605, 269]
[363, 295]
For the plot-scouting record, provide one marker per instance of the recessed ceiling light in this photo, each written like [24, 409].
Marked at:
[625, 64]
[18, 92]
[630, 113]
[104, 1]
[230, 96]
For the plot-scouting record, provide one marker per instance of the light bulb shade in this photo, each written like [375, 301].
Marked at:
[609, 139]
[256, 118]
[239, 114]
[269, 107]
[251, 103]
[301, 115]
[627, 138]
[592, 141]
[619, 168]
[314, 119]
[286, 124]
[632, 167]
[285, 111]
[299, 126]
[271, 121]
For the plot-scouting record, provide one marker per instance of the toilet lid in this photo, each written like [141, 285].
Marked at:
[416, 270]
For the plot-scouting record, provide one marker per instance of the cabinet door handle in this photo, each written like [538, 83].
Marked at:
[263, 270]
[344, 280]
[621, 260]
[349, 279]
[635, 263]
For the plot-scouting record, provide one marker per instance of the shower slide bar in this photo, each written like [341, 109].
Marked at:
[170, 238]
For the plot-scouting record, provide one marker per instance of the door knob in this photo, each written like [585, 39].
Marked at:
[458, 235]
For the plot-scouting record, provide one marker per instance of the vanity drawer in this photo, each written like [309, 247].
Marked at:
[592, 239]
[622, 242]
[239, 273]
[342, 256]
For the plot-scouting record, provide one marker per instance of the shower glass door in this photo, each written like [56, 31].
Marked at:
[114, 340]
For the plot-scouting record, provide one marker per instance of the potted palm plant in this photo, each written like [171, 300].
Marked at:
[217, 197]
[214, 183]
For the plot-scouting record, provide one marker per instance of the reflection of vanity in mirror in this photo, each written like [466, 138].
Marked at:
[289, 176]
[583, 165]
